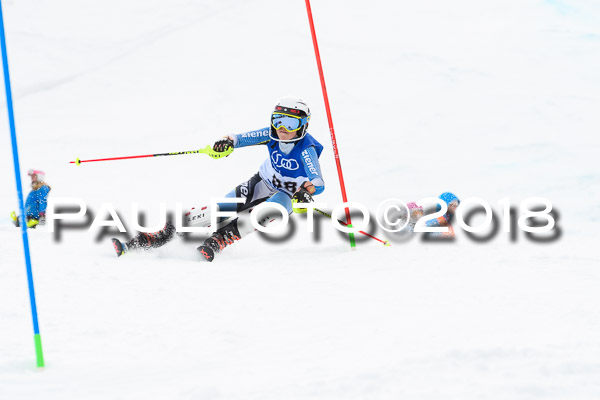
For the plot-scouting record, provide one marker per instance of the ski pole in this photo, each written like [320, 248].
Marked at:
[207, 150]
[385, 242]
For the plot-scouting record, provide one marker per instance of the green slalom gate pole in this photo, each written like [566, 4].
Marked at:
[11, 119]
[384, 242]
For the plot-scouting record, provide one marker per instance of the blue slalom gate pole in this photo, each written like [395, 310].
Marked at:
[13, 136]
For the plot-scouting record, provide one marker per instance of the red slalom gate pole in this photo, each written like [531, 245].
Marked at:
[330, 120]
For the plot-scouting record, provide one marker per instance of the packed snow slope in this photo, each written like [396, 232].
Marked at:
[495, 99]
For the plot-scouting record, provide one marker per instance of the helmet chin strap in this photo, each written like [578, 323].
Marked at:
[287, 141]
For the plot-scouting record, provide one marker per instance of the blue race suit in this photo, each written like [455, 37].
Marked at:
[288, 166]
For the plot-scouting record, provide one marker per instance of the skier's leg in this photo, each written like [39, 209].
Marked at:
[242, 226]
[254, 191]
[145, 241]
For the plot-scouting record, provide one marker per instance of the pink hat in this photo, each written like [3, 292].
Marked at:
[412, 205]
[40, 174]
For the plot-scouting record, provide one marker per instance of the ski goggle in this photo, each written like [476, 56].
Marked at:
[289, 122]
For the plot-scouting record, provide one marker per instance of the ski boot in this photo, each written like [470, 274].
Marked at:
[218, 241]
[212, 245]
[31, 222]
[145, 241]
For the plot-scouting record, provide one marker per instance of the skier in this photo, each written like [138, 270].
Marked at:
[415, 213]
[37, 201]
[290, 175]
[445, 220]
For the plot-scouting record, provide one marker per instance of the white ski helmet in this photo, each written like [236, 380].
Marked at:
[293, 114]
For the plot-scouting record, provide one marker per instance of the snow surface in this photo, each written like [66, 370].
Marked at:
[491, 99]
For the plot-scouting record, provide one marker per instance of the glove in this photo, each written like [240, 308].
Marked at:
[303, 195]
[223, 144]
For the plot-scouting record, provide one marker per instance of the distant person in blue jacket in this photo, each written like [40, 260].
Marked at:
[37, 200]
[445, 220]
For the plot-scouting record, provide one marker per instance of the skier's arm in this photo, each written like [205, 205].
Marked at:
[310, 160]
[31, 199]
[252, 138]
[44, 190]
